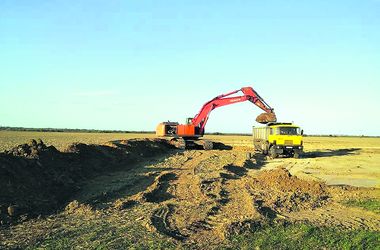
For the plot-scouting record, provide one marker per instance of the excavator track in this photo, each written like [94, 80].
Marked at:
[207, 145]
[179, 143]
[183, 144]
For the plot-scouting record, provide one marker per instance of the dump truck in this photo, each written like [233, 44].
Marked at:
[278, 139]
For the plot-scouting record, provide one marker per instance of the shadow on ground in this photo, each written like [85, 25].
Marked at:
[216, 145]
[221, 146]
[331, 153]
[103, 191]
[236, 172]
[257, 162]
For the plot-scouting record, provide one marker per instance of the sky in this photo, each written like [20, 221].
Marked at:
[128, 65]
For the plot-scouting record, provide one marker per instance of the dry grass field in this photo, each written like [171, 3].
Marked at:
[336, 160]
[142, 194]
[61, 140]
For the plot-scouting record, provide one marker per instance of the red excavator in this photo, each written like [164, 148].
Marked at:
[184, 135]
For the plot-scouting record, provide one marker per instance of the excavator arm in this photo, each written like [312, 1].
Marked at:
[249, 94]
[195, 127]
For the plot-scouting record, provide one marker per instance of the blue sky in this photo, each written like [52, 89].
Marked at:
[129, 65]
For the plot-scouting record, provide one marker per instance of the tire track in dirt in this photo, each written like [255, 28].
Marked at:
[216, 190]
[161, 221]
[201, 195]
[170, 196]
[159, 192]
[195, 196]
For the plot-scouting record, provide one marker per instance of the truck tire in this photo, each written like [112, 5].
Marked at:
[272, 152]
[296, 155]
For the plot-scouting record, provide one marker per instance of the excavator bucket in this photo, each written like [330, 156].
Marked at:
[266, 118]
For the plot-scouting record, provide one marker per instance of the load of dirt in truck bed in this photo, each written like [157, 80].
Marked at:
[266, 118]
[36, 178]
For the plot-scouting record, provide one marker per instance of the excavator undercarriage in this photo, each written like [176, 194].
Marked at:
[185, 143]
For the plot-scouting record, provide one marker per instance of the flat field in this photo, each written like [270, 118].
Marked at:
[143, 194]
[336, 160]
[61, 140]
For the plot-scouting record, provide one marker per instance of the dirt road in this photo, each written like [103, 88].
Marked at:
[193, 197]
[213, 193]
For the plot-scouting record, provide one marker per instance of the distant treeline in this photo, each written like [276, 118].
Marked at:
[95, 131]
[144, 132]
[71, 130]
[364, 136]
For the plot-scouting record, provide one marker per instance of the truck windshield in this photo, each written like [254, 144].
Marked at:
[288, 131]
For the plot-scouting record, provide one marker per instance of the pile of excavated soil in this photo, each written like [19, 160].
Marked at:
[36, 179]
[280, 191]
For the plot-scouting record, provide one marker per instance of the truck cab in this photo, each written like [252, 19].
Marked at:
[277, 139]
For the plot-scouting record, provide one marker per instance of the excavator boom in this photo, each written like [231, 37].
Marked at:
[249, 94]
[195, 127]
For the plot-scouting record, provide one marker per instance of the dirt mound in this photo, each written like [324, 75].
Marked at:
[282, 179]
[30, 150]
[75, 207]
[142, 147]
[35, 178]
[278, 191]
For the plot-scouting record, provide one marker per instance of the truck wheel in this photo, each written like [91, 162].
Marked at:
[272, 152]
[296, 155]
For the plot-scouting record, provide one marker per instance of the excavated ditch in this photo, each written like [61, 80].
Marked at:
[37, 179]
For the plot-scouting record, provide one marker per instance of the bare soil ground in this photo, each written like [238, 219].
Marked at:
[127, 192]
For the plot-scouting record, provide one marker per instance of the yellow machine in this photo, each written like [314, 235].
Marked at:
[278, 139]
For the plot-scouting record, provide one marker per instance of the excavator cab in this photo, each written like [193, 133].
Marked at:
[188, 120]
